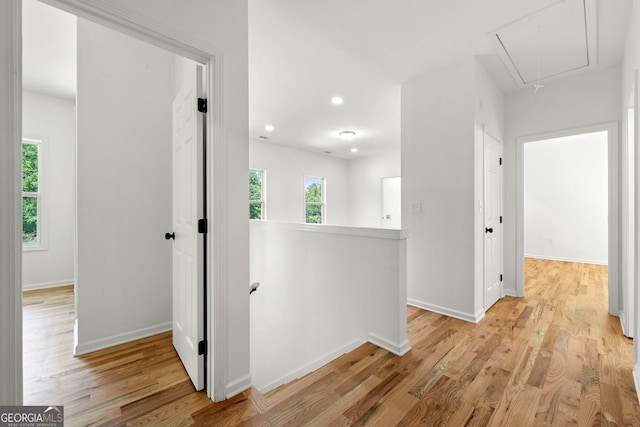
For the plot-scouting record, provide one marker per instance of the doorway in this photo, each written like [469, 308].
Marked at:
[106, 215]
[567, 192]
[391, 203]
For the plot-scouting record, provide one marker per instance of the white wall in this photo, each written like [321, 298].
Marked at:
[583, 100]
[344, 286]
[285, 171]
[488, 118]
[53, 121]
[565, 199]
[219, 25]
[365, 187]
[630, 65]
[125, 90]
[438, 172]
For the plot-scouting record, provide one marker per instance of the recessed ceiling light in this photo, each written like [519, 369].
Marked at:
[347, 135]
[354, 150]
[336, 100]
[269, 128]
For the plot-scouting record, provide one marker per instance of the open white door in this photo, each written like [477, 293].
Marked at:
[492, 221]
[391, 203]
[188, 247]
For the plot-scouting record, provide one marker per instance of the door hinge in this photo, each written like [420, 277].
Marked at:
[501, 277]
[202, 348]
[500, 219]
[203, 226]
[202, 105]
[500, 161]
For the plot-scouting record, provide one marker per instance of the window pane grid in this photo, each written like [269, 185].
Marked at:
[256, 194]
[314, 200]
[31, 206]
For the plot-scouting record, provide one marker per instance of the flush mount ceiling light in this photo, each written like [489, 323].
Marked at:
[354, 150]
[269, 128]
[336, 100]
[347, 135]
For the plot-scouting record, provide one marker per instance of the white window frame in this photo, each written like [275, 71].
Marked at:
[262, 202]
[41, 242]
[322, 204]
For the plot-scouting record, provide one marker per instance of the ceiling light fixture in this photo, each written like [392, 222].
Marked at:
[354, 150]
[347, 135]
[336, 100]
[269, 128]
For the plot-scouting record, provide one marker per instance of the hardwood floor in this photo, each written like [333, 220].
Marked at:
[553, 358]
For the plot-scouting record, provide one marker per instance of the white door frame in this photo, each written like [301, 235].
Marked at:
[613, 231]
[140, 27]
[629, 225]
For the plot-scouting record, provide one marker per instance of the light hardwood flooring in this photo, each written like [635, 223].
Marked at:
[552, 358]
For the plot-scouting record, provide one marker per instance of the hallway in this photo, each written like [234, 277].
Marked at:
[553, 357]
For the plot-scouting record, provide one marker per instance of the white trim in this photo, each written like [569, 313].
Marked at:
[509, 292]
[310, 367]
[623, 323]
[450, 312]
[613, 232]
[376, 233]
[141, 27]
[238, 386]
[590, 10]
[566, 259]
[102, 343]
[10, 205]
[47, 285]
[399, 349]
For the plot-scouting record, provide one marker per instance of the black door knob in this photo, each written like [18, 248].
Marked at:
[488, 230]
[169, 236]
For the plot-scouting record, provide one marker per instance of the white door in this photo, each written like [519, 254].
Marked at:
[492, 221]
[188, 270]
[391, 203]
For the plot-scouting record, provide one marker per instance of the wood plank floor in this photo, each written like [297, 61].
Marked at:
[553, 358]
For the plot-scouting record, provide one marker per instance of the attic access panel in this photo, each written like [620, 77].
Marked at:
[557, 40]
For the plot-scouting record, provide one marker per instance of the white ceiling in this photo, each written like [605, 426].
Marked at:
[48, 50]
[304, 52]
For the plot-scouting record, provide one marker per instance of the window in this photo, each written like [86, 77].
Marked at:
[256, 194]
[314, 200]
[31, 193]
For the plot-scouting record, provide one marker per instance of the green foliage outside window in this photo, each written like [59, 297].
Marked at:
[313, 200]
[255, 194]
[30, 187]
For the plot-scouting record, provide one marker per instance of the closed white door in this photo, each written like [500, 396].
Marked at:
[492, 221]
[391, 203]
[188, 262]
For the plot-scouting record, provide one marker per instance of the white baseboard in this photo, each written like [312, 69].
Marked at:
[510, 293]
[298, 373]
[468, 317]
[237, 386]
[47, 285]
[623, 324]
[125, 337]
[566, 259]
[397, 349]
